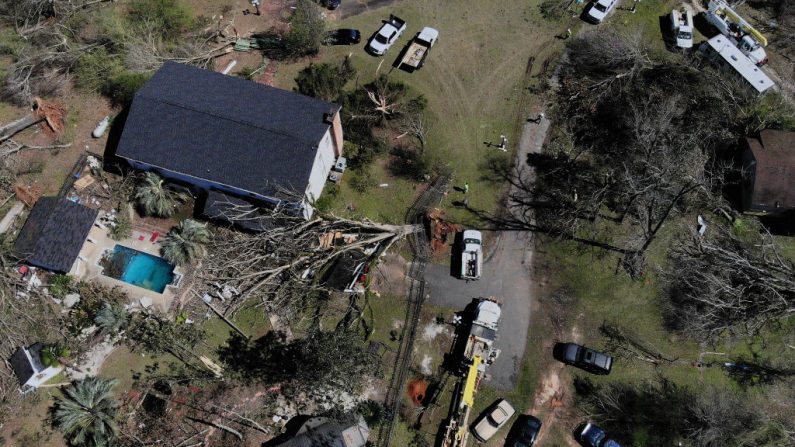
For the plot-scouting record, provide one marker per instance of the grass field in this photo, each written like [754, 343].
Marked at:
[474, 81]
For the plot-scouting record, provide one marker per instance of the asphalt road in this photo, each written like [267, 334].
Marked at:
[506, 276]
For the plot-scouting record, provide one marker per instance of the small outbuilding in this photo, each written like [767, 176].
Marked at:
[768, 162]
[219, 133]
[29, 368]
[54, 233]
[324, 432]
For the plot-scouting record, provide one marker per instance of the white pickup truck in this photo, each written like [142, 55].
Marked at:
[419, 49]
[472, 255]
[387, 35]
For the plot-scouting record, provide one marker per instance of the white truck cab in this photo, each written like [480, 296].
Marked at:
[682, 26]
[472, 255]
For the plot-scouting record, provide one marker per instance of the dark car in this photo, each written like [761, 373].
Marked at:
[331, 4]
[584, 358]
[592, 436]
[342, 37]
[524, 432]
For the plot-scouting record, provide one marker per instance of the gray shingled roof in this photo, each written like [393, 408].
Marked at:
[330, 434]
[54, 233]
[224, 129]
[21, 366]
[25, 368]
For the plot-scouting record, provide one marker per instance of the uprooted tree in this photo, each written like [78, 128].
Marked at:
[728, 280]
[282, 265]
[659, 412]
[631, 153]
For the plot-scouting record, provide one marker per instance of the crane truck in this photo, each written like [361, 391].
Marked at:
[478, 354]
[747, 38]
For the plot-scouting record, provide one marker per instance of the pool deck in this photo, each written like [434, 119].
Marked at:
[87, 267]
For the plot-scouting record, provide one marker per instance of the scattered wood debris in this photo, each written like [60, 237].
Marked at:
[441, 231]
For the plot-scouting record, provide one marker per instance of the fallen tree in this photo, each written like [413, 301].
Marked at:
[282, 265]
[728, 280]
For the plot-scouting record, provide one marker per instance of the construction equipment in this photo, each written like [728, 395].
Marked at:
[747, 38]
[478, 354]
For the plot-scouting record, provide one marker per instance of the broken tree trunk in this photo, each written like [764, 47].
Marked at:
[14, 127]
[41, 110]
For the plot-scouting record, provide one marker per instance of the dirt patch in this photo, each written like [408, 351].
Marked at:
[390, 276]
[431, 331]
[417, 389]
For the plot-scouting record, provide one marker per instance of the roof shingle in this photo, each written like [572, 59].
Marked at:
[54, 233]
[225, 130]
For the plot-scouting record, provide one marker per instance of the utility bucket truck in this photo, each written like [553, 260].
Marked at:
[472, 255]
[682, 26]
[747, 38]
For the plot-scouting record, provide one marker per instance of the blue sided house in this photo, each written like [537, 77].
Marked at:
[232, 137]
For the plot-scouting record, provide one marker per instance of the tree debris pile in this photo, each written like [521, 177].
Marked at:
[632, 150]
[725, 281]
[440, 231]
[26, 317]
[281, 267]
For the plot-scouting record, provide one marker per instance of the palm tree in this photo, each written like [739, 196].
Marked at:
[111, 319]
[86, 413]
[154, 198]
[185, 242]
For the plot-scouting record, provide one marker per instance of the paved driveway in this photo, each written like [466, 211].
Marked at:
[506, 276]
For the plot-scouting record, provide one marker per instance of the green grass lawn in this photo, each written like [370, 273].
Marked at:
[473, 81]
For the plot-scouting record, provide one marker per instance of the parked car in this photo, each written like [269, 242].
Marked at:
[343, 36]
[387, 35]
[600, 9]
[524, 432]
[493, 420]
[593, 436]
[584, 358]
[331, 4]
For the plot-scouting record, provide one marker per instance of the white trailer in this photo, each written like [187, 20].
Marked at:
[724, 54]
[682, 26]
[472, 255]
[747, 38]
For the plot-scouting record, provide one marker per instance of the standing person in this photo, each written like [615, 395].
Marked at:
[255, 3]
[466, 188]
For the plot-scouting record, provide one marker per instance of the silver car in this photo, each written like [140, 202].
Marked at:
[493, 420]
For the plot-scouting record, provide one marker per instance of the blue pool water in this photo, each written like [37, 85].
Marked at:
[144, 270]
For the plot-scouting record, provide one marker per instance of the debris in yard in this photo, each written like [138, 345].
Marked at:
[51, 113]
[440, 230]
[328, 240]
[27, 194]
[84, 182]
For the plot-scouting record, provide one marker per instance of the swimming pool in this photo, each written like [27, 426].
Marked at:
[138, 268]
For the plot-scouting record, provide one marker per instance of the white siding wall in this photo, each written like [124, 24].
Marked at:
[324, 161]
[42, 377]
